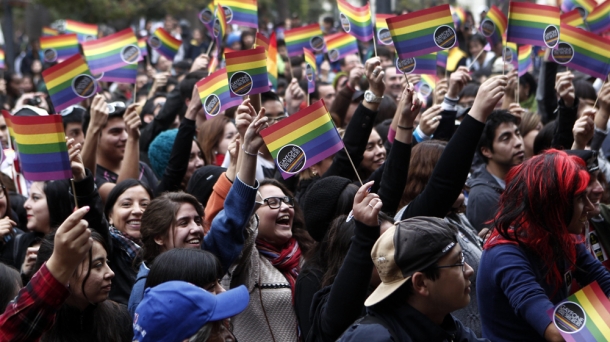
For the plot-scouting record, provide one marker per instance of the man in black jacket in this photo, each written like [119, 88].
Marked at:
[423, 279]
[501, 148]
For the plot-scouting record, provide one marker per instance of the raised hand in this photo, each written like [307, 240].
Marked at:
[375, 74]
[583, 129]
[457, 82]
[132, 121]
[367, 206]
[76, 160]
[430, 119]
[565, 88]
[490, 93]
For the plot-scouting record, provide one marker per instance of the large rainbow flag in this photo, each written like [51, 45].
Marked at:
[309, 37]
[583, 316]
[112, 52]
[598, 20]
[247, 72]
[41, 145]
[84, 31]
[533, 24]
[310, 70]
[241, 12]
[356, 20]
[164, 43]
[423, 32]
[303, 139]
[424, 64]
[583, 51]
[215, 95]
[382, 31]
[340, 45]
[69, 82]
[584, 6]
[58, 48]
[494, 25]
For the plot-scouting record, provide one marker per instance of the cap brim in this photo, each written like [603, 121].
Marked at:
[383, 291]
[230, 303]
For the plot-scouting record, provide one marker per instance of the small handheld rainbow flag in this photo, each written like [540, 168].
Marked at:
[303, 139]
[583, 316]
[598, 20]
[583, 51]
[125, 74]
[525, 59]
[215, 95]
[425, 64]
[41, 145]
[533, 24]
[309, 37]
[441, 58]
[84, 32]
[423, 32]
[69, 82]
[458, 15]
[247, 72]
[219, 28]
[426, 85]
[340, 45]
[311, 70]
[2, 64]
[454, 57]
[583, 6]
[143, 48]
[382, 31]
[58, 48]
[164, 43]
[241, 12]
[510, 55]
[356, 20]
[494, 25]
[47, 31]
[573, 18]
[270, 45]
[206, 16]
[112, 52]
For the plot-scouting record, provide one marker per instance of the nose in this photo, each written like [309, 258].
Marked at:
[137, 209]
[198, 162]
[468, 270]
[219, 289]
[195, 229]
[588, 205]
[379, 149]
[27, 205]
[109, 273]
[123, 136]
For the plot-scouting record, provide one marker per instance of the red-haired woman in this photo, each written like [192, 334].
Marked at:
[534, 251]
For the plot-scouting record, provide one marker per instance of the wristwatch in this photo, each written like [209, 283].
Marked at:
[372, 98]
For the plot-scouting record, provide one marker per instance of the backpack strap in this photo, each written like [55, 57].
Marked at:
[368, 319]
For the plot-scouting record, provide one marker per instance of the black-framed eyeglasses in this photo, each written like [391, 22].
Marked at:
[113, 106]
[461, 263]
[276, 202]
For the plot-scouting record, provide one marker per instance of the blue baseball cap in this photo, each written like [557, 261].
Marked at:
[176, 310]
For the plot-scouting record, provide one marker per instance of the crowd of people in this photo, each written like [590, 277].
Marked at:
[464, 215]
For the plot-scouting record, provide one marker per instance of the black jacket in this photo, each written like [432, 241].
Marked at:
[483, 198]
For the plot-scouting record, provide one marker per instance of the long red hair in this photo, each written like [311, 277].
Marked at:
[537, 207]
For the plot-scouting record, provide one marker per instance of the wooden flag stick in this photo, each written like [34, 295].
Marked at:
[74, 193]
[475, 59]
[597, 98]
[351, 162]
[134, 92]
[210, 47]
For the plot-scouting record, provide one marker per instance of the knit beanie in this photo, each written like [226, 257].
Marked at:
[202, 182]
[320, 204]
[160, 150]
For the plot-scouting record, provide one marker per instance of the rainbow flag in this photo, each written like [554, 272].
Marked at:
[340, 45]
[511, 55]
[598, 20]
[206, 16]
[270, 45]
[423, 32]
[164, 43]
[47, 31]
[126, 74]
[311, 70]
[525, 59]
[2, 64]
[303, 139]
[247, 72]
[583, 51]
[215, 95]
[426, 85]
[425, 64]
[219, 29]
[241, 12]
[69, 82]
[356, 20]
[143, 48]
[583, 6]
[454, 57]
[494, 25]
[573, 18]
[84, 32]
[58, 48]
[112, 52]
[382, 31]
[583, 316]
[458, 15]
[532, 24]
[441, 58]
[309, 37]
[41, 145]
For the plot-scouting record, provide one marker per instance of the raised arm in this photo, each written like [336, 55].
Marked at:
[99, 117]
[566, 111]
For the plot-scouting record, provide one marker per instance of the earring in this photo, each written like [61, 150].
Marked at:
[315, 173]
